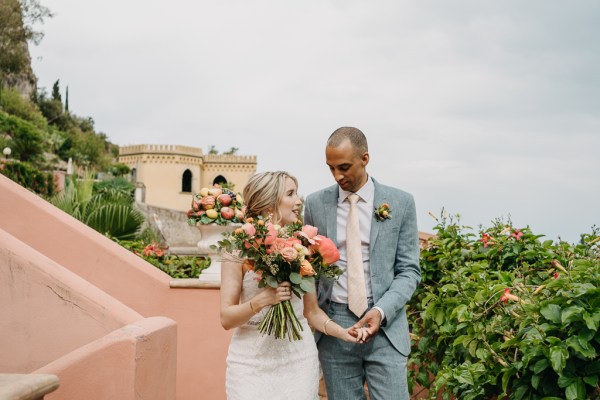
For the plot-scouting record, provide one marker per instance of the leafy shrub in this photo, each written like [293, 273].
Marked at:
[27, 141]
[110, 210]
[174, 265]
[28, 176]
[118, 184]
[13, 103]
[501, 314]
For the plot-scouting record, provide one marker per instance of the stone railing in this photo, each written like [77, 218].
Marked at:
[26, 386]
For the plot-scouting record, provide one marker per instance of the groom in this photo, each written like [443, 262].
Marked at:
[386, 255]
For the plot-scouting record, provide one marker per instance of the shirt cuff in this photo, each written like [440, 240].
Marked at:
[380, 312]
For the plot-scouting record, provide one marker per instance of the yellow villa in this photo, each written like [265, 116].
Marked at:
[167, 175]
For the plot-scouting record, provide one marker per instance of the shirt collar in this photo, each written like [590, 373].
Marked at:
[366, 193]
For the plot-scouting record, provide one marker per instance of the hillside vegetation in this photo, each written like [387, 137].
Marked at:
[38, 126]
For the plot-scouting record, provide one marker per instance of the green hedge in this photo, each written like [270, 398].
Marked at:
[502, 313]
[29, 177]
[27, 141]
[173, 265]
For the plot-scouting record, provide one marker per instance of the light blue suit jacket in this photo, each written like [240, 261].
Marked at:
[393, 253]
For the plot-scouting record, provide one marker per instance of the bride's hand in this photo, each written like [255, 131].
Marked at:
[277, 295]
[350, 335]
[360, 335]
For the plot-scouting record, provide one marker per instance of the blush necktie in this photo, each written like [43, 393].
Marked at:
[357, 292]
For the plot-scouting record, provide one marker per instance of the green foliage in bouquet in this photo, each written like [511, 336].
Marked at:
[175, 266]
[502, 314]
[217, 205]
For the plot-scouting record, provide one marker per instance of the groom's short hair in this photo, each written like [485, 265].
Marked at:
[354, 135]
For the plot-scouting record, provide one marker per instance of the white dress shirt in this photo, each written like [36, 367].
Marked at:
[365, 209]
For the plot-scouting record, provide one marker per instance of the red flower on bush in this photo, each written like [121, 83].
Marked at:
[486, 239]
[153, 250]
[508, 296]
[517, 234]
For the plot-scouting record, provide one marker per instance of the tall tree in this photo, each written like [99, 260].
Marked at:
[17, 18]
[56, 91]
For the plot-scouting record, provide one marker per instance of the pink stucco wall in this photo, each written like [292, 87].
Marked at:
[201, 341]
[54, 322]
[135, 362]
[40, 302]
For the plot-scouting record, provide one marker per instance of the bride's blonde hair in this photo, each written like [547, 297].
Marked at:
[263, 193]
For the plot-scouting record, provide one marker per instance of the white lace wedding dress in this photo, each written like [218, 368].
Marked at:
[262, 367]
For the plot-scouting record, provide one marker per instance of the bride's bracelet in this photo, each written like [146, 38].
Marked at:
[325, 326]
[252, 308]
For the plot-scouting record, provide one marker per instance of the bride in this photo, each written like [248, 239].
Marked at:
[260, 366]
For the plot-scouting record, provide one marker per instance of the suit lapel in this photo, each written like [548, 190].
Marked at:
[330, 205]
[375, 225]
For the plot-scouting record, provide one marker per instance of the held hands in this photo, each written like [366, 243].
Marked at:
[367, 327]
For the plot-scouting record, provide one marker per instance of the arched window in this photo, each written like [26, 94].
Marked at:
[133, 175]
[186, 181]
[219, 180]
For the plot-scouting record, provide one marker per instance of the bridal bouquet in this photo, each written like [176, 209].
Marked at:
[292, 253]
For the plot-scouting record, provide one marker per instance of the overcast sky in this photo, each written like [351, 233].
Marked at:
[489, 109]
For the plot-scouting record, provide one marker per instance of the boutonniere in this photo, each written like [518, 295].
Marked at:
[383, 212]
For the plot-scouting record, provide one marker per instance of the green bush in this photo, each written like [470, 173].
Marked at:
[110, 210]
[13, 103]
[175, 266]
[29, 177]
[502, 314]
[27, 141]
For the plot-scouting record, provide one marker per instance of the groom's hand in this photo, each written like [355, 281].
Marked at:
[371, 321]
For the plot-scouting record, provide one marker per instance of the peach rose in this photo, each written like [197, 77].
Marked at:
[306, 269]
[303, 251]
[271, 235]
[309, 231]
[276, 246]
[249, 229]
[289, 253]
[327, 248]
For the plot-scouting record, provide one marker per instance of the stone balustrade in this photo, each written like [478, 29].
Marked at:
[27, 386]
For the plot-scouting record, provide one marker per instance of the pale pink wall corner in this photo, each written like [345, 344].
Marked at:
[54, 322]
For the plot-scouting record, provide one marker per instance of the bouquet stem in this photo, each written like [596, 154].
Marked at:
[281, 321]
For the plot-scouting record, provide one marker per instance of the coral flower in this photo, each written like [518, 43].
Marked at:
[249, 229]
[327, 248]
[517, 234]
[272, 235]
[486, 239]
[309, 232]
[509, 296]
[306, 269]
